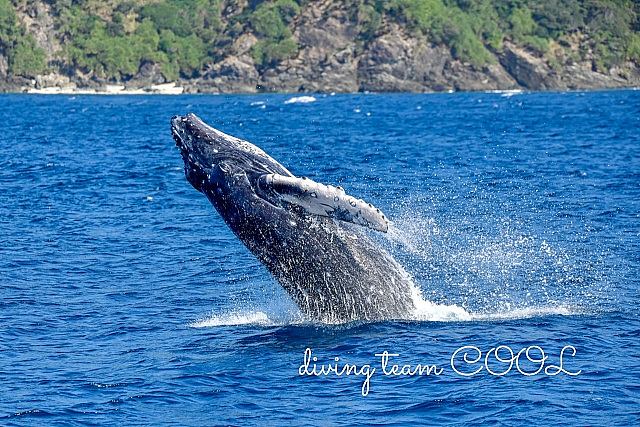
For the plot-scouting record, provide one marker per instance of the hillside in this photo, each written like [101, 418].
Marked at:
[235, 46]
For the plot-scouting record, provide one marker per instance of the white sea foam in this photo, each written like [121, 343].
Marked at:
[527, 313]
[509, 94]
[426, 310]
[506, 93]
[232, 319]
[300, 100]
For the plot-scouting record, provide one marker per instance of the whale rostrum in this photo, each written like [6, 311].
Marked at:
[324, 200]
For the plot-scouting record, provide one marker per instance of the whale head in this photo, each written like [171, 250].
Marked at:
[204, 149]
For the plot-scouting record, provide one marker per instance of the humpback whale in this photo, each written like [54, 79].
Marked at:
[312, 237]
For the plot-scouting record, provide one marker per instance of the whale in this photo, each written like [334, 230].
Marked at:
[316, 240]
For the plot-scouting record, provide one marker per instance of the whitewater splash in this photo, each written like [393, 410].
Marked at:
[427, 311]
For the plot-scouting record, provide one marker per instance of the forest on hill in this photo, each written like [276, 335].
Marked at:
[112, 40]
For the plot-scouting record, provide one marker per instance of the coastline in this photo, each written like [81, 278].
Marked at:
[173, 90]
[162, 89]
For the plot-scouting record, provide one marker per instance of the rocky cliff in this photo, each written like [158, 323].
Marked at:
[333, 57]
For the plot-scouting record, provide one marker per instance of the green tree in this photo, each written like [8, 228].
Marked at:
[268, 23]
[185, 54]
[24, 56]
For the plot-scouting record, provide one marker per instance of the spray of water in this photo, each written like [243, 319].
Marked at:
[489, 267]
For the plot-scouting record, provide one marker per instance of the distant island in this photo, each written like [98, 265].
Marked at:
[343, 46]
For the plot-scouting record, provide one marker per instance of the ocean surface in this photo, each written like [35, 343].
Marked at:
[127, 301]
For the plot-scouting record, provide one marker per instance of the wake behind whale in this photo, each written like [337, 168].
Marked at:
[310, 236]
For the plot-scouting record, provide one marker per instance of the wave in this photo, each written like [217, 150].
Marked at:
[507, 93]
[300, 100]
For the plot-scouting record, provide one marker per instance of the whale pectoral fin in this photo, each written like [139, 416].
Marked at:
[323, 200]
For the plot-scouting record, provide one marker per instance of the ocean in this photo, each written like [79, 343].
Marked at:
[126, 300]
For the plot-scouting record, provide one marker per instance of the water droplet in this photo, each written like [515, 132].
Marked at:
[353, 203]
[313, 194]
[336, 199]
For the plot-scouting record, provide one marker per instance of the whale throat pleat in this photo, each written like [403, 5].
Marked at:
[323, 200]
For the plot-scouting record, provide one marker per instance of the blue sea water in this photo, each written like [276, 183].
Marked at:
[127, 301]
